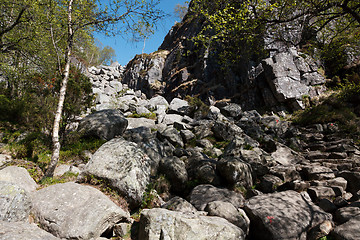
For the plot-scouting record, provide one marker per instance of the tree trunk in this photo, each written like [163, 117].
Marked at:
[55, 134]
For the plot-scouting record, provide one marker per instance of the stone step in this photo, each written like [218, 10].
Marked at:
[312, 155]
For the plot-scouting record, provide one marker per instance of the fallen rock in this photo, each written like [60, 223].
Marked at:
[235, 171]
[161, 223]
[179, 106]
[174, 170]
[15, 203]
[19, 176]
[201, 195]
[283, 215]
[105, 124]
[64, 168]
[124, 165]
[22, 230]
[74, 211]
[180, 205]
[229, 212]
[140, 122]
[348, 231]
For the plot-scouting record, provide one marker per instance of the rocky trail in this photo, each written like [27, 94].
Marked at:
[230, 174]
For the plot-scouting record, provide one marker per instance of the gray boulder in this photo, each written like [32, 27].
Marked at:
[231, 110]
[229, 212]
[348, 231]
[201, 195]
[174, 170]
[160, 223]
[172, 135]
[140, 122]
[180, 205]
[124, 165]
[283, 215]
[74, 211]
[235, 171]
[105, 124]
[15, 203]
[19, 176]
[226, 130]
[156, 101]
[179, 106]
[22, 230]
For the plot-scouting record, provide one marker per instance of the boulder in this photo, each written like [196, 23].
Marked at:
[202, 169]
[201, 195]
[19, 176]
[15, 203]
[229, 212]
[105, 124]
[283, 215]
[179, 106]
[160, 223]
[140, 122]
[285, 156]
[175, 171]
[124, 165]
[64, 168]
[231, 110]
[172, 135]
[74, 211]
[22, 230]
[180, 205]
[348, 231]
[226, 131]
[156, 101]
[235, 171]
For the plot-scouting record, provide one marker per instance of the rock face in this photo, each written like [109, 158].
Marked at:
[15, 203]
[283, 215]
[105, 124]
[21, 230]
[18, 176]
[74, 211]
[144, 73]
[124, 166]
[165, 224]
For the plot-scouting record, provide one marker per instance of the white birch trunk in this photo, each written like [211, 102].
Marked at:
[55, 134]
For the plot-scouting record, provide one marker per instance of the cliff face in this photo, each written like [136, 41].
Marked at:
[280, 80]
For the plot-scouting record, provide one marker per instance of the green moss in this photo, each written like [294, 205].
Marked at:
[143, 115]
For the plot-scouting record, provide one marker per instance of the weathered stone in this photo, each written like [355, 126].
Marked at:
[285, 155]
[22, 230]
[105, 124]
[269, 183]
[4, 159]
[327, 205]
[179, 106]
[124, 165]
[348, 231]
[73, 211]
[201, 195]
[63, 168]
[164, 224]
[229, 212]
[172, 135]
[156, 101]
[235, 171]
[343, 215]
[283, 215]
[321, 230]
[175, 171]
[187, 135]
[18, 176]
[353, 180]
[202, 169]
[180, 205]
[172, 118]
[317, 172]
[140, 122]
[226, 130]
[142, 110]
[15, 203]
[320, 192]
[231, 110]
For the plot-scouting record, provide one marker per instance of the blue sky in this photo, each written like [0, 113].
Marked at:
[125, 49]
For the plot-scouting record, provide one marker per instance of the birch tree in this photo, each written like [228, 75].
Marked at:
[118, 17]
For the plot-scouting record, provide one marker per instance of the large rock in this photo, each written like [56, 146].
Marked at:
[180, 205]
[283, 215]
[203, 194]
[74, 211]
[160, 223]
[15, 203]
[18, 176]
[22, 230]
[140, 122]
[235, 171]
[179, 106]
[229, 212]
[124, 165]
[348, 231]
[105, 124]
[174, 170]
